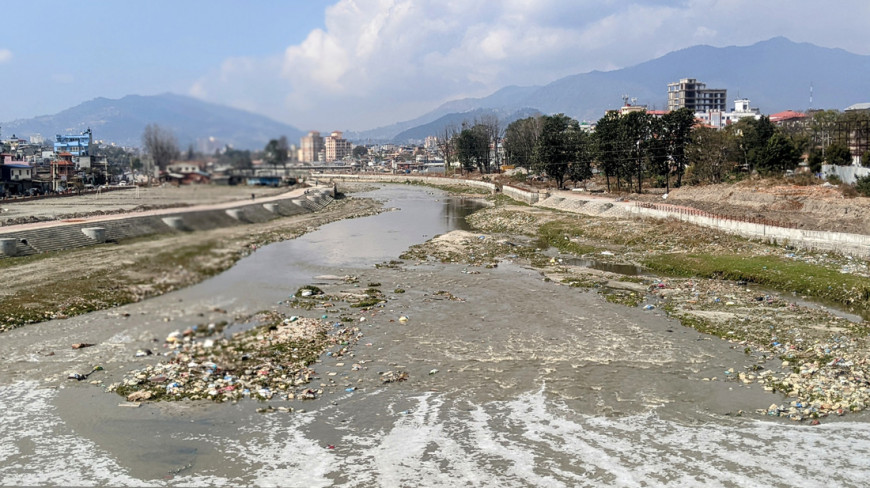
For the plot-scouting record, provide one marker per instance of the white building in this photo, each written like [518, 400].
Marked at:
[719, 119]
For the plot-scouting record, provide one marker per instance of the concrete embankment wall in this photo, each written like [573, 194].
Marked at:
[74, 235]
[530, 197]
[432, 180]
[849, 244]
[847, 174]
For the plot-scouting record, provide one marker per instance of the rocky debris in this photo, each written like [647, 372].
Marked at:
[394, 376]
[82, 345]
[271, 359]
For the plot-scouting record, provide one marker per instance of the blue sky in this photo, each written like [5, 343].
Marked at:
[358, 64]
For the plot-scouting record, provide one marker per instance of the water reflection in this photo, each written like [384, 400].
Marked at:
[340, 247]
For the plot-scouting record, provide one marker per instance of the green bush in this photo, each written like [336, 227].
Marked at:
[862, 186]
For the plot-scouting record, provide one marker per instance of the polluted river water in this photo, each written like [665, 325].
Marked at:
[512, 381]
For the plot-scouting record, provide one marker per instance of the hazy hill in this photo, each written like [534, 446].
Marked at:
[123, 121]
[437, 126]
[775, 75]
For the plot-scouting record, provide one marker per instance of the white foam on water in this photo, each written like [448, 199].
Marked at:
[419, 450]
[37, 449]
[275, 451]
[442, 440]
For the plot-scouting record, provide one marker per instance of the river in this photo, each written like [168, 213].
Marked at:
[520, 382]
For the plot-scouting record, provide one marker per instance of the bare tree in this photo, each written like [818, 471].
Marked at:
[160, 144]
[495, 133]
[445, 144]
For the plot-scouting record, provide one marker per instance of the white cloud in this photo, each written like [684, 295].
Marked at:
[381, 61]
[5, 55]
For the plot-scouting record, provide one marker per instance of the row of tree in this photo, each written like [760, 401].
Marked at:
[627, 148]
[634, 147]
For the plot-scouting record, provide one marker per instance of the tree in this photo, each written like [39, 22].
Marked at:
[779, 155]
[823, 127]
[815, 159]
[236, 158]
[584, 154]
[607, 139]
[557, 147]
[711, 154]
[635, 128]
[755, 133]
[659, 151]
[678, 126]
[520, 139]
[838, 154]
[360, 151]
[275, 152]
[492, 128]
[472, 148]
[865, 159]
[160, 144]
[446, 144]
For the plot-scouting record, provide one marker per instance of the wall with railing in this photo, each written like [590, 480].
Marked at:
[765, 229]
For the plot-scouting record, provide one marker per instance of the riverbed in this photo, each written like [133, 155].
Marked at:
[513, 380]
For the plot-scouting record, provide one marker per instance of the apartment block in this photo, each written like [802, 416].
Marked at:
[694, 95]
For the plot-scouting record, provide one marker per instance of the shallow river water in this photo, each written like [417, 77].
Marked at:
[537, 384]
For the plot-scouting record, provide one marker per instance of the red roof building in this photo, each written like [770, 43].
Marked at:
[787, 117]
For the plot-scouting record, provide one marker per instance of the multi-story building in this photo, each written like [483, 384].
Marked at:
[690, 93]
[310, 147]
[337, 148]
[77, 145]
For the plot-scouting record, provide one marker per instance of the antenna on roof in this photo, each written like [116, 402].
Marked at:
[625, 100]
[811, 95]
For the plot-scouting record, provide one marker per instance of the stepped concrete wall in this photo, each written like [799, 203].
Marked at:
[73, 235]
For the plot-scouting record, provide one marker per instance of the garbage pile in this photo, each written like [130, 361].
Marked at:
[268, 361]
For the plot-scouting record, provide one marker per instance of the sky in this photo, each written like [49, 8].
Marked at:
[360, 64]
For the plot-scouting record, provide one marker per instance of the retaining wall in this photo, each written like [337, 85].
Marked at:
[849, 244]
[75, 235]
[530, 197]
[847, 174]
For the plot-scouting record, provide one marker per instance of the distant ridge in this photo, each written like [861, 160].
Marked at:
[774, 74]
[122, 121]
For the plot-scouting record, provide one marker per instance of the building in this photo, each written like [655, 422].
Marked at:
[690, 93]
[788, 118]
[77, 145]
[719, 120]
[15, 175]
[310, 147]
[337, 148]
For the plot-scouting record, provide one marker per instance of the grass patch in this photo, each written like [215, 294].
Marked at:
[558, 234]
[796, 276]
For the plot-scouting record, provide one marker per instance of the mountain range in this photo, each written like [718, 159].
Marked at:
[775, 75]
[122, 122]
